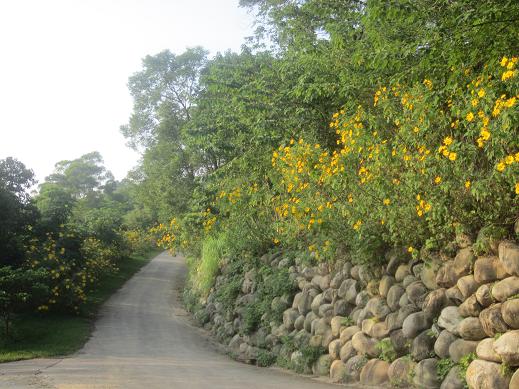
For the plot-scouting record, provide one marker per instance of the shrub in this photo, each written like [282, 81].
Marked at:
[443, 367]
[21, 290]
[207, 268]
[387, 351]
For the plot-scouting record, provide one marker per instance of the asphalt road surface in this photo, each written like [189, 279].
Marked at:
[143, 339]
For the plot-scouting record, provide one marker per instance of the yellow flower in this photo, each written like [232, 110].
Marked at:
[509, 159]
[427, 83]
[452, 156]
[387, 201]
[357, 225]
[501, 166]
[481, 93]
[410, 249]
[474, 102]
[447, 141]
[504, 61]
[437, 180]
[467, 184]
[469, 117]
[510, 102]
[508, 74]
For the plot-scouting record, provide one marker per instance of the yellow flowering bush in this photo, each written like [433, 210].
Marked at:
[412, 167]
[73, 267]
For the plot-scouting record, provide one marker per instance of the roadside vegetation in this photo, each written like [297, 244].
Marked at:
[342, 127]
[65, 249]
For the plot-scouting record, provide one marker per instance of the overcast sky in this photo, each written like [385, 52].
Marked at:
[64, 66]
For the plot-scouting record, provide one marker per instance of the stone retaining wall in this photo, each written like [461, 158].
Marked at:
[422, 323]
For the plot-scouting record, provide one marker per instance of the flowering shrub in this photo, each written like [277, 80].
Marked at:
[138, 242]
[73, 267]
[413, 167]
[417, 164]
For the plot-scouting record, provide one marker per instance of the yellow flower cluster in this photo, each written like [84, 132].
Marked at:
[444, 149]
[422, 207]
[509, 64]
[507, 161]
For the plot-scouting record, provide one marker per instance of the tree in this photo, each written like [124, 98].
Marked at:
[164, 95]
[82, 176]
[164, 89]
[17, 214]
[21, 290]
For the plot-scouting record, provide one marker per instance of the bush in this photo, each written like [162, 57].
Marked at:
[21, 290]
[423, 160]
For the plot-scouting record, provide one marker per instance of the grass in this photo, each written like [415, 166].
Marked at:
[53, 334]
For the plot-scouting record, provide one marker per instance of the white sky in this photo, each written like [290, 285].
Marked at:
[64, 65]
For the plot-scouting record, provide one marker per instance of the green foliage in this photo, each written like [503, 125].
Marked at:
[506, 370]
[17, 214]
[387, 351]
[463, 364]
[443, 367]
[311, 354]
[343, 126]
[347, 321]
[61, 242]
[265, 358]
[488, 237]
[207, 268]
[252, 318]
[21, 290]
[50, 334]
[229, 291]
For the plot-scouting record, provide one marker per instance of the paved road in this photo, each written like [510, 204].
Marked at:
[144, 340]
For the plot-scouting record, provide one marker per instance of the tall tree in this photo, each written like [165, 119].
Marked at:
[17, 214]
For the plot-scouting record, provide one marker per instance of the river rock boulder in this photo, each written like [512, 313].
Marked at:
[443, 342]
[460, 348]
[467, 285]
[364, 345]
[470, 307]
[484, 295]
[347, 351]
[338, 372]
[492, 320]
[453, 379]
[488, 269]
[354, 367]
[470, 328]
[506, 288]
[400, 372]
[509, 257]
[485, 351]
[510, 313]
[435, 302]
[450, 319]
[423, 346]
[415, 323]
[374, 372]
[486, 375]
[425, 374]
[507, 347]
